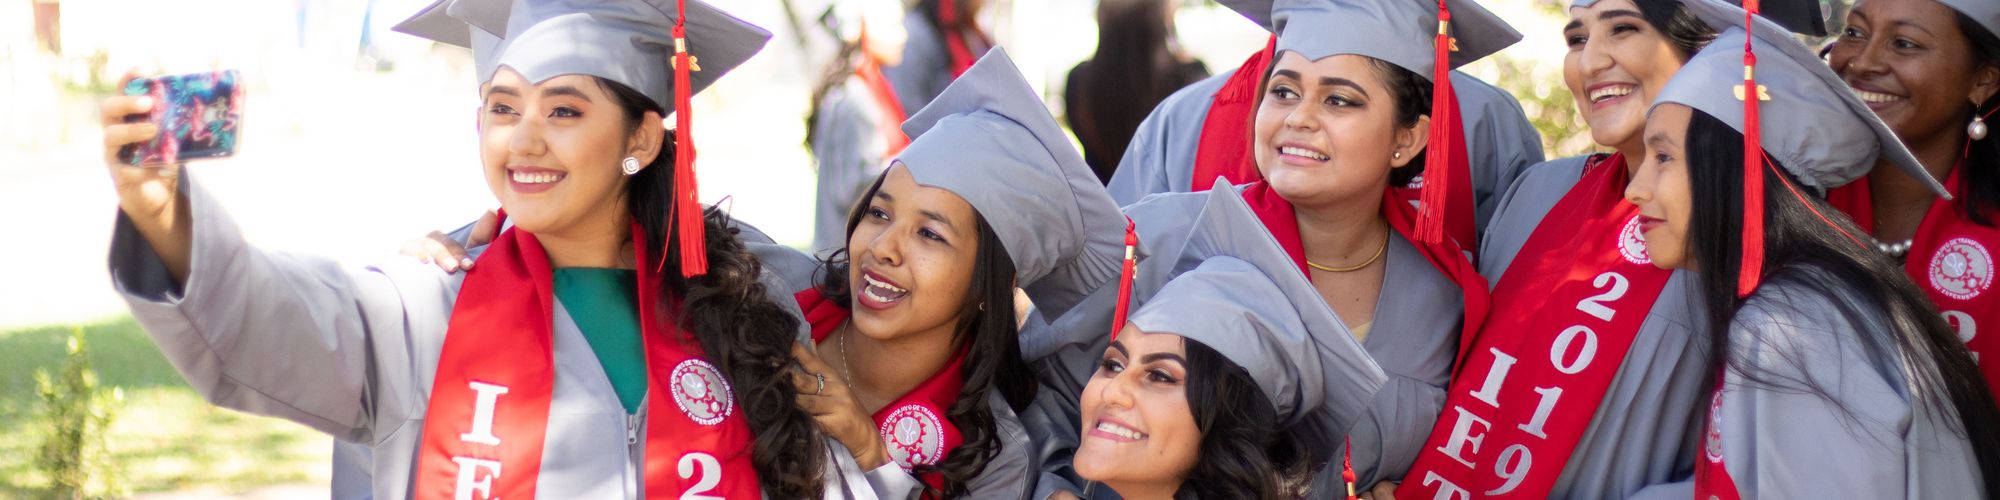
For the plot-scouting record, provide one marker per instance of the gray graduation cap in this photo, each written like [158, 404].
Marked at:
[626, 41]
[1811, 122]
[1801, 16]
[989, 139]
[1985, 12]
[1233, 288]
[1398, 31]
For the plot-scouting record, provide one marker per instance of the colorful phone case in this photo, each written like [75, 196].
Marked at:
[199, 118]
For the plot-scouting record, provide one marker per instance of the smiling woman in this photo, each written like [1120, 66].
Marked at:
[567, 364]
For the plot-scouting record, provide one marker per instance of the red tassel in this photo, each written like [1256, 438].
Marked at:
[1751, 270]
[1347, 467]
[1125, 277]
[686, 212]
[1439, 175]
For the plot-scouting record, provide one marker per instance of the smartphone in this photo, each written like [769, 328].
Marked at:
[200, 116]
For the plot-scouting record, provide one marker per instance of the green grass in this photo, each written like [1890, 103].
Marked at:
[165, 436]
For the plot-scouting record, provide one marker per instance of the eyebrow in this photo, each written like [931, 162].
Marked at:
[1658, 139]
[932, 215]
[1328, 81]
[1907, 23]
[503, 89]
[1120, 346]
[1163, 356]
[565, 90]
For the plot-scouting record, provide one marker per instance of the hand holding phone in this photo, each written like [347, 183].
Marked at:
[199, 116]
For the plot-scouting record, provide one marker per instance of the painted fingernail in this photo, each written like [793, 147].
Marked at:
[144, 103]
[465, 263]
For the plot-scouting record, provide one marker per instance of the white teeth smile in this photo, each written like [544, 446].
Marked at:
[1875, 97]
[1120, 431]
[881, 292]
[879, 284]
[1600, 95]
[535, 177]
[1296, 151]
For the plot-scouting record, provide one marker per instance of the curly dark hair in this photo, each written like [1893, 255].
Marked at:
[1244, 451]
[993, 348]
[747, 337]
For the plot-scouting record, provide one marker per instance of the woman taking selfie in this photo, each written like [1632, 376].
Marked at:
[652, 363]
[1818, 342]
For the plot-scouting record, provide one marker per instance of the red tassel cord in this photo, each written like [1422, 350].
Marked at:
[686, 207]
[1446, 196]
[1347, 467]
[1125, 277]
[1751, 269]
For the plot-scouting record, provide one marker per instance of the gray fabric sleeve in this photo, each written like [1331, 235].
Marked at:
[283, 335]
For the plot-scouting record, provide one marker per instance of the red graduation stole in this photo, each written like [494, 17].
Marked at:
[1711, 477]
[489, 406]
[1224, 147]
[1529, 382]
[890, 123]
[1279, 219]
[954, 38]
[1951, 258]
[913, 428]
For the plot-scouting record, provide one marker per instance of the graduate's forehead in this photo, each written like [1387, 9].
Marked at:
[507, 82]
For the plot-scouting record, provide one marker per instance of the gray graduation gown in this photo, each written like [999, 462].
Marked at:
[1011, 472]
[1160, 158]
[1414, 339]
[351, 352]
[1645, 430]
[848, 146]
[926, 67]
[1870, 441]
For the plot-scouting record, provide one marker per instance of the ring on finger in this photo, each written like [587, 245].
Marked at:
[821, 377]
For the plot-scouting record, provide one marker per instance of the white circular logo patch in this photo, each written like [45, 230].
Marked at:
[1961, 268]
[915, 436]
[1632, 243]
[702, 394]
[1713, 444]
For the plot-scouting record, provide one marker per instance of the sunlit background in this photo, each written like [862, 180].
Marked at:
[357, 139]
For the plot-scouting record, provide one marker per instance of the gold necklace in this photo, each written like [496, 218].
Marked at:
[1357, 267]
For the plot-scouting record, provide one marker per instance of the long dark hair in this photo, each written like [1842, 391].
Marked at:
[1687, 33]
[1244, 452]
[1801, 250]
[1135, 67]
[993, 348]
[747, 337]
[1979, 182]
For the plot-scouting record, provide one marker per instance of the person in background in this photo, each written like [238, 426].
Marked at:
[856, 122]
[945, 39]
[1137, 64]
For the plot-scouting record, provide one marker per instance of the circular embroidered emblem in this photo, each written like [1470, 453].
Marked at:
[915, 436]
[1961, 268]
[702, 394]
[1713, 443]
[1632, 243]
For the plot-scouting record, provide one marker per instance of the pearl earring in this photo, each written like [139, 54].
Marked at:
[1977, 129]
[631, 165]
[1397, 155]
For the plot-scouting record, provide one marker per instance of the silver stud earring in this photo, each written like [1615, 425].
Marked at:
[1977, 129]
[1397, 155]
[631, 165]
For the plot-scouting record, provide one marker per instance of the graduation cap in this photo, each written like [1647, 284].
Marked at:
[1789, 104]
[1426, 37]
[1799, 16]
[665, 49]
[1234, 289]
[989, 139]
[1985, 12]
